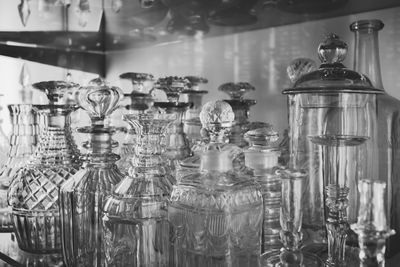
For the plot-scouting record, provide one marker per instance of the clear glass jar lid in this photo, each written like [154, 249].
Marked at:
[332, 76]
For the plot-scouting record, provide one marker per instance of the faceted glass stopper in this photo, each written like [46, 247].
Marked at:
[172, 87]
[332, 49]
[100, 100]
[55, 90]
[265, 136]
[216, 113]
[300, 66]
[236, 90]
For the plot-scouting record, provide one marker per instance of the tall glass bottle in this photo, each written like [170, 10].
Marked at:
[82, 196]
[241, 108]
[136, 231]
[34, 192]
[140, 101]
[262, 158]
[176, 143]
[367, 61]
[216, 212]
[22, 143]
[191, 122]
[372, 227]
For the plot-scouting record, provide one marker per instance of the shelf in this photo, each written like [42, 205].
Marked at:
[167, 21]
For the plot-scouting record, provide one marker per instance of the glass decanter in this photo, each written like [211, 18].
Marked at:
[136, 231]
[82, 196]
[367, 61]
[34, 192]
[291, 214]
[331, 110]
[241, 109]
[191, 122]
[216, 213]
[176, 143]
[141, 100]
[22, 144]
[262, 158]
[372, 227]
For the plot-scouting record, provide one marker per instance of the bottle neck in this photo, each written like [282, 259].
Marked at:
[366, 60]
[56, 144]
[101, 145]
[23, 125]
[147, 151]
[214, 160]
[372, 249]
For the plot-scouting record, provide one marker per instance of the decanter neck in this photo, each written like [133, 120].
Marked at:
[147, 151]
[23, 124]
[216, 160]
[100, 146]
[372, 249]
[366, 59]
[195, 100]
[56, 144]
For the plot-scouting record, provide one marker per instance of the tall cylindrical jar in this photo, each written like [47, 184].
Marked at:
[387, 159]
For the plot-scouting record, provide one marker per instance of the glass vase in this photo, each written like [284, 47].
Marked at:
[22, 141]
[34, 192]
[136, 231]
[82, 196]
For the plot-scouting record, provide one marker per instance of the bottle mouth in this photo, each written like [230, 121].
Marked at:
[374, 24]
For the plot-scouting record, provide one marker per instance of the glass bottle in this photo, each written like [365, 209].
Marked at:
[141, 100]
[367, 61]
[176, 143]
[262, 158]
[22, 144]
[82, 196]
[191, 122]
[34, 192]
[136, 231]
[241, 109]
[372, 227]
[333, 129]
[293, 182]
[216, 212]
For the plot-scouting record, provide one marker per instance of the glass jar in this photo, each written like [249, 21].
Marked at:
[216, 212]
[23, 141]
[136, 231]
[332, 121]
[34, 192]
[82, 196]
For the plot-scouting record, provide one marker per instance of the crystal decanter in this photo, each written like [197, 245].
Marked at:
[34, 192]
[216, 213]
[176, 143]
[372, 226]
[22, 144]
[262, 158]
[82, 196]
[191, 122]
[136, 231]
[140, 101]
[291, 214]
[241, 109]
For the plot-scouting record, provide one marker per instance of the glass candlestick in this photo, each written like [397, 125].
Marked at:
[241, 108]
[34, 192]
[176, 143]
[372, 226]
[291, 220]
[82, 196]
[136, 231]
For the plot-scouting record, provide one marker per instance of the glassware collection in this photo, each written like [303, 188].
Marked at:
[198, 184]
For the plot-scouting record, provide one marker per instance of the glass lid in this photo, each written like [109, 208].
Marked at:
[332, 76]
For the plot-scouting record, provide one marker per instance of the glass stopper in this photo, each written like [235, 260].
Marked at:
[265, 136]
[236, 90]
[99, 99]
[300, 66]
[332, 49]
[55, 90]
[172, 87]
[216, 113]
[24, 11]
